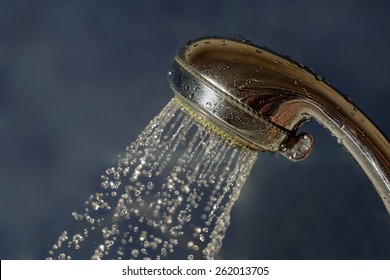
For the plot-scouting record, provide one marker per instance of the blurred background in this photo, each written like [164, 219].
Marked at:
[80, 79]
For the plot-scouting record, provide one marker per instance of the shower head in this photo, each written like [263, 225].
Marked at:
[237, 90]
[259, 99]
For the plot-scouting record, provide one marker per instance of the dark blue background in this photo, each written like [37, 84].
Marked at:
[80, 79]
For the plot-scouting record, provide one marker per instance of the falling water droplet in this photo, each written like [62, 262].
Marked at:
[170, 196]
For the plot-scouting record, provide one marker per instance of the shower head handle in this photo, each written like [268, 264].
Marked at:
[259, 99]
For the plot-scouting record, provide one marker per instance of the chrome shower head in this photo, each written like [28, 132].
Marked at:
[259, 99]
[234, 89]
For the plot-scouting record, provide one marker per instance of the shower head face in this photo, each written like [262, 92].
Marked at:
[239, 91]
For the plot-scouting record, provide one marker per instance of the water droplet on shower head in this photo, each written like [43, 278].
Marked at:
[297, 147]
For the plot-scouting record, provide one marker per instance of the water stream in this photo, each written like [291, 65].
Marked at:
[169, 196]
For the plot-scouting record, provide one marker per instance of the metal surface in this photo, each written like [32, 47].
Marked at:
[259, 99]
